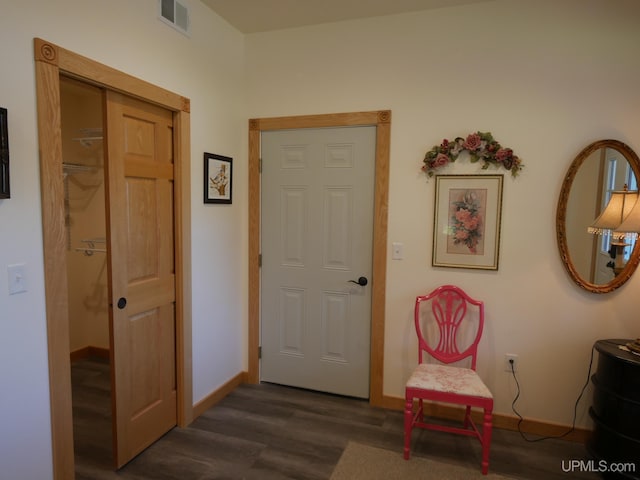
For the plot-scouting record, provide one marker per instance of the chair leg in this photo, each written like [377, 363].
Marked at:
[408, 425]
[467, 415]
[486, 440]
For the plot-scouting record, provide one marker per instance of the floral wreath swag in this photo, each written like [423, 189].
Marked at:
[481, 146]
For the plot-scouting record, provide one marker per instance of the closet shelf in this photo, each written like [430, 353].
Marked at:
[72, 168]
[94, 240]
[89, 135]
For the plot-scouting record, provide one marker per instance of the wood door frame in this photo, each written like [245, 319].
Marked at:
[382, 121]
[51, 61]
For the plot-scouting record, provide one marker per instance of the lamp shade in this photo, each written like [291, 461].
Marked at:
[631, 223]
[619, 207]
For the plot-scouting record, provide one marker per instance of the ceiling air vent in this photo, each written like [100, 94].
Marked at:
[175, 14]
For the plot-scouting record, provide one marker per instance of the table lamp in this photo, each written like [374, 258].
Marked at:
[620, 205]
[631, 227]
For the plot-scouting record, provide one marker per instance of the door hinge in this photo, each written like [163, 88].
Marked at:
[260, 260]
[260, 166]
[260, 352]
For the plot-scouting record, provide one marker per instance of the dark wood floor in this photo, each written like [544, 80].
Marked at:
[270, 432]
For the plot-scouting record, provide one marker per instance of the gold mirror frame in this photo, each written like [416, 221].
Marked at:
[561, 217]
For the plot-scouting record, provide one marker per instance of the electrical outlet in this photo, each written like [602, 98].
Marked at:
[510, 359]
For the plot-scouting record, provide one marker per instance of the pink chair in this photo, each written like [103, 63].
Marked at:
[448, 331]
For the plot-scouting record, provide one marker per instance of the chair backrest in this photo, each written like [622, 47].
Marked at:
[451, 312]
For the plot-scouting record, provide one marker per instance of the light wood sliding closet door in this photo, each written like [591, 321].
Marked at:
[52, 62]
[142, 274]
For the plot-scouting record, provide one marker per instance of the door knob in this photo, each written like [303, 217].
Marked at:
[362, 281]
[122, 302]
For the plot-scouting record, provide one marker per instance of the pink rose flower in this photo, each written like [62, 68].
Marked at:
[469, 222]
[473, 142]
[441, 160]
[463, 215]
[472, 224]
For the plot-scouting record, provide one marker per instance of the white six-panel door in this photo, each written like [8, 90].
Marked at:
[317, 231]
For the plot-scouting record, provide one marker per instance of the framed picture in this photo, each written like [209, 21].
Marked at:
[466, 231]
[5, 191]
[217, 178]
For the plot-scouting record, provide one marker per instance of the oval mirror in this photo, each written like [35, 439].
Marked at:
[597, 263]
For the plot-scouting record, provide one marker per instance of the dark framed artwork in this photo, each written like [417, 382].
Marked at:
[218, 175]
[5, 191]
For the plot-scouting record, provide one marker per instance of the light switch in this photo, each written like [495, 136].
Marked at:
[397, 251]
[17, 278]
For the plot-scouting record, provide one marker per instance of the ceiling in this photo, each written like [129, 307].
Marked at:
[251, 16]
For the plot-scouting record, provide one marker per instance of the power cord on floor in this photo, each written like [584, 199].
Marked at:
[575, 408]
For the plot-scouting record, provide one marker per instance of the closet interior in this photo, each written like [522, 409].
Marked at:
[83, 151]
[83, 173]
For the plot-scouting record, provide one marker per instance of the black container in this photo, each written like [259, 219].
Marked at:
[615, 441]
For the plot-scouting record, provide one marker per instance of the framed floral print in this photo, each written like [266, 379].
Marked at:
[467, 217]
[217, 178]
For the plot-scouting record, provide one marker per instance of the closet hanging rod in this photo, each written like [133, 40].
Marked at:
[88, 251]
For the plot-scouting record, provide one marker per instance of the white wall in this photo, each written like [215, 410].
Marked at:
[546, 77]
[208, 68]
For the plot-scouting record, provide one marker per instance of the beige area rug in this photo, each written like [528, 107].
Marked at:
[360, 462]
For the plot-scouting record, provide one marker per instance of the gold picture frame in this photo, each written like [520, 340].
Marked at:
[467, 217]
